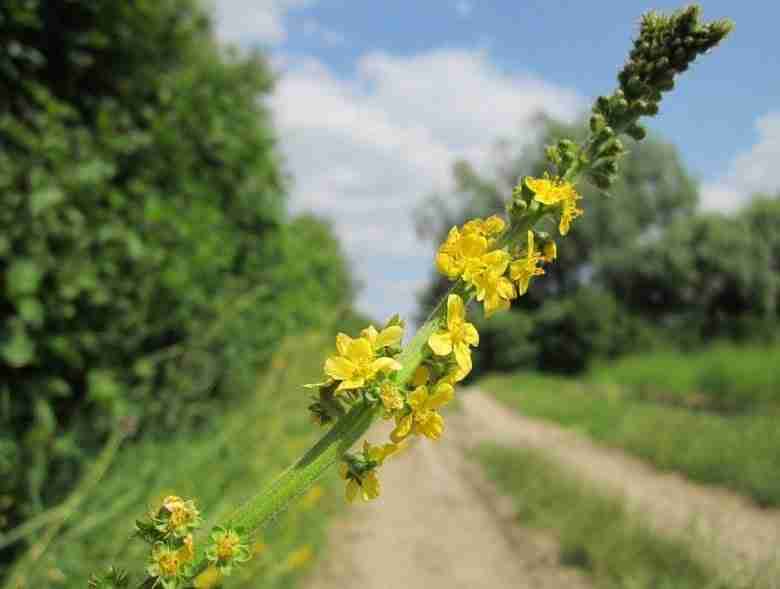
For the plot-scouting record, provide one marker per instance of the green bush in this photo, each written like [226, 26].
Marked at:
[146, 264]
[724, 377]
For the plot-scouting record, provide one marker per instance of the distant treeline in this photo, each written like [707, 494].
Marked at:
[644, 267]
[148, 265]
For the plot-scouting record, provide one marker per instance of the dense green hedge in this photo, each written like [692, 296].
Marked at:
[147, 267]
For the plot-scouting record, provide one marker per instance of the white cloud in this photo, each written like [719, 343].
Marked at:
[464, 8]
[365, 150]
[253, 21]
[754, 171]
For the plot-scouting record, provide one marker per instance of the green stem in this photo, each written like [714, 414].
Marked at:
[297, 479]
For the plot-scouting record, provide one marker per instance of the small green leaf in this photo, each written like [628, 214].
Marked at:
[19, 350]
[31, 310]
[103, 388]
[43, 199]
[23, 277]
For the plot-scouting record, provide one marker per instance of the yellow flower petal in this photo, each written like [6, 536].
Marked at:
[470, 334]
[418, 397]
[360, 351]
[385, 364]
[389, 336]
[463, 357]
[440, 343]
[432, 426]
[339, 368]
[421, 376]
[348, 385]
[370, 486]
[342, 343]
[457, 375]
[543, 189]
[505, 289]
[370, 333]
[402, 428]
[456, 311]
[472, 245]
[497, 261]
[494, 225]
[442, 394]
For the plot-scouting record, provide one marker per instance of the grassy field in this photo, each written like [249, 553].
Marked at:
[724, 378]
[740, 450]
[595, 531]
[220, 466]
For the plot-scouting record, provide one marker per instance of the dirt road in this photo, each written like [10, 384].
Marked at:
[440, 524]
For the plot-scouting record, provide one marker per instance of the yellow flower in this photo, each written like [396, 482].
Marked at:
[554, 191]
[226, 549]
[379, 454]
[458, 336]
[492, 286]
[363, 480]
[489, 227]
[227, 545]
[569, 212]
[448, 259]
[494, 225]
[389, 336]
[459, 252]
[177, 516]
[391, 397]
[424, 419]
[165, 562]
[522, 270]
[356, 363]
[366, 486]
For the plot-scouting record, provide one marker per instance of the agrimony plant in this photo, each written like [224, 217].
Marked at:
[491, 262]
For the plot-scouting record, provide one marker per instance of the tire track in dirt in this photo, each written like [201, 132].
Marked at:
[438, 525]
[739, 539]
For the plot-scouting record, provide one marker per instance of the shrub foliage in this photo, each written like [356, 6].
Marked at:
[146, 263]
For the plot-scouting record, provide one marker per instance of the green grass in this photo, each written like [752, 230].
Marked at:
[739, 451]
[595, 531]
[723, 378]
[220, 466]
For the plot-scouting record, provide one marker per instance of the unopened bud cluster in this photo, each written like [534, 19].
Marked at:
[665, 47]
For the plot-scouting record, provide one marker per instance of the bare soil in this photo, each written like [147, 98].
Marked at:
[440, 524]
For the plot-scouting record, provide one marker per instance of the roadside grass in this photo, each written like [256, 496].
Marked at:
[724, 378]
[595, 531]
[222, 465]
[740, 451]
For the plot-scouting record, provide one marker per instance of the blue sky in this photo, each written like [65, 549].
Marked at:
[376, 100]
